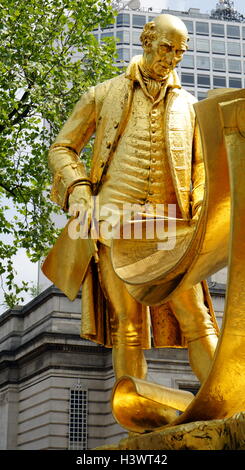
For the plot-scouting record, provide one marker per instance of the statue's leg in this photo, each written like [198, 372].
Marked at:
[126, 321]
[197, 326]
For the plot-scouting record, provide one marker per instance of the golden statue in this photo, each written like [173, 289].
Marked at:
[148, 152]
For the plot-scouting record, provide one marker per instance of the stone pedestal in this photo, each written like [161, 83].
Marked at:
[225, 434]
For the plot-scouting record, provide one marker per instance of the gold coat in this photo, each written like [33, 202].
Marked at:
[104, 110]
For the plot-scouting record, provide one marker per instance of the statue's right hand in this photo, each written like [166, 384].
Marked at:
[80, 203]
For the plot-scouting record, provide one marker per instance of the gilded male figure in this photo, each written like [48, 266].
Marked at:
[134, 162]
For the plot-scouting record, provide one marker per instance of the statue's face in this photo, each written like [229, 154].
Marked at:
[166, 52]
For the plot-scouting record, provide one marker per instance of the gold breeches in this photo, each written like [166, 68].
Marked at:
[126, 313]
[126, 317]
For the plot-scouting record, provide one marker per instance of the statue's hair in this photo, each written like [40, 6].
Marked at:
[151, 32]
[148, 35]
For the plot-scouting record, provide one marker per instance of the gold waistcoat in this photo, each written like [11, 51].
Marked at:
[139, 172]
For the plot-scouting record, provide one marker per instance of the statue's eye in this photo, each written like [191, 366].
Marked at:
[164, 48]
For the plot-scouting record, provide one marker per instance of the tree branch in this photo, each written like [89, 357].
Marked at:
[8, 190]
[20, 115]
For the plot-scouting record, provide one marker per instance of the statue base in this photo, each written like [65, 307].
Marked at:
[220, 434]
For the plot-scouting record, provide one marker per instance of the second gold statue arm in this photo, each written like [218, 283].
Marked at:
[64, 155]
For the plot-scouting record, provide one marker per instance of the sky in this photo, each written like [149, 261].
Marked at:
[28, 271]
[184, 5]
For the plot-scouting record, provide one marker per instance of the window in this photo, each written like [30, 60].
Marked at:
[235, 83]
[123, 19]
[136, 38]
[106, 35]
[187, 79]
[123, 54]
[219, 64]
[218, 47]
[202, 28]
[191, 44]
[188, 61]
[123, 37]
[139, 21]
[203, 81]
[233, 48]
[78, 414]
[234, 66]
[203, 62]
[233, 31]
[189, 25]
[219, 82]
[202, 45]
[217, 29]
[201, 95]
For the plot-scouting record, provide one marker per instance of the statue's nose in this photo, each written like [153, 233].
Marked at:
[170, 57]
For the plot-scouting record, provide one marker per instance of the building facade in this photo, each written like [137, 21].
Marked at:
[55, 387]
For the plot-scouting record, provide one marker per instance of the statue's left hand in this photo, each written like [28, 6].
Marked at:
[81, 203]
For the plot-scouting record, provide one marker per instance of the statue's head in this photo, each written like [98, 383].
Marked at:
[164, 41]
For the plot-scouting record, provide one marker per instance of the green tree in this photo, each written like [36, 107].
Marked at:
[48, 58]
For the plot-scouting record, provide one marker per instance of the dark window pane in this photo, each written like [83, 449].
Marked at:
[235, 83]
[203, 80]
[187, 79]
[220, 82]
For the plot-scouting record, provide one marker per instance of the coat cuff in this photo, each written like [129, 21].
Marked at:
[64, 180]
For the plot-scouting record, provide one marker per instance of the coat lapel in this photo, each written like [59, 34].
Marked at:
[179, 130]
